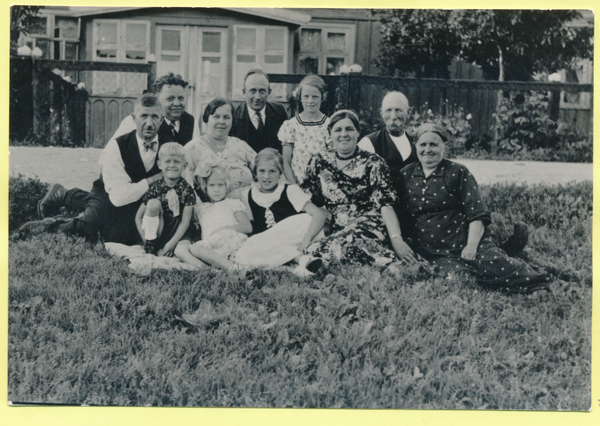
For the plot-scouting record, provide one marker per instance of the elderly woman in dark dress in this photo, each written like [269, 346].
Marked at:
[355, 187]
[445, 220]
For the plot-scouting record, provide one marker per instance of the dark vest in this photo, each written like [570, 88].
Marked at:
[130, 153]
[386, 149]
[258, 139]
[186, 129]
[281, 209]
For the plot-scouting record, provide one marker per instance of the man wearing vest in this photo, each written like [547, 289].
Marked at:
[178, 125]
[391, 143]
[128, 167]
[257, 121]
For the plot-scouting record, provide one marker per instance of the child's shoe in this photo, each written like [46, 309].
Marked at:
[312, 264]
[151, 247]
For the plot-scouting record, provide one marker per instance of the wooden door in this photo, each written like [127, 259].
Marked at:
[199, 55]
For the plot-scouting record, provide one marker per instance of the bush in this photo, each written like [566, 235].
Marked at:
[525, 132]
[23, 197]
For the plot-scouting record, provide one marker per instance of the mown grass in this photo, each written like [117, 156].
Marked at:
[84, 329]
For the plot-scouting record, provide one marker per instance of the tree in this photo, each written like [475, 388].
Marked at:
[506, 44]
[21, 17]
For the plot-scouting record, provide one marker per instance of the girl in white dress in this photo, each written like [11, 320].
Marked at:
[224, 222]
[285, 221]
[306, 133]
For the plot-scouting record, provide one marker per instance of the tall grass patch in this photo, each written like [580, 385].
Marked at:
[84, 329]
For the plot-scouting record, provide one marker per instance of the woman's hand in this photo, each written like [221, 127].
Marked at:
[304, 245]
[403, 251]
[469, 252]
[168, 249]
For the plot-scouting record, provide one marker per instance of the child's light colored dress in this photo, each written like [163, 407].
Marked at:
[306, 139]
[215, 215]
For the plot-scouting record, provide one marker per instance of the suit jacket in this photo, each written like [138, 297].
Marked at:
[244, 129]
[186, 129]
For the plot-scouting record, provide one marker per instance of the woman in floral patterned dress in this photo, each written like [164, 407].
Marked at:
[355, 187]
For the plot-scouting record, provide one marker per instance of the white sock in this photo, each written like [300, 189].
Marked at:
[150, 226]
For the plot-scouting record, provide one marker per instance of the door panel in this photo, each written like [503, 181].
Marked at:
[199, 55]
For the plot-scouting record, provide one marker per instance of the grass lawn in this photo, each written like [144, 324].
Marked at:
[85, 329]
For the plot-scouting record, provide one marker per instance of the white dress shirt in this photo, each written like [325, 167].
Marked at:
[117, 183]
[402, 144]
[254, 118]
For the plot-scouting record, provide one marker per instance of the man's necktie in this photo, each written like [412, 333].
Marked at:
[261, 123]
[173, 131]
[150, 145]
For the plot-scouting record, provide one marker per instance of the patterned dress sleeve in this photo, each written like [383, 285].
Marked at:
[473, 205]
[312, 182]
[151, 193]
[383, 193]
[236, 205]
[287, 133]
[188, 197]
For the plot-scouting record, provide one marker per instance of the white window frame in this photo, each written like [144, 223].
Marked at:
[323, 54]
[120, 47]
[32, 39]
[259, 52]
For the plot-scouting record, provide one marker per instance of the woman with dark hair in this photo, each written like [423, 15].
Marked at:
[445, 220]
[355, 187]
[217, 147]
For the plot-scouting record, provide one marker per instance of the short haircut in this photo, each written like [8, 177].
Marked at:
[214, 105]
[169, 80]
[148, 100]
[255, 71]
[313, 81]
[218, 171]
[171, 149]
[268, 154]
[340, 115]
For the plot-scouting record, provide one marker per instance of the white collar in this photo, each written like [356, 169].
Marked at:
[175, 123]
[262, 113]
[141, 141]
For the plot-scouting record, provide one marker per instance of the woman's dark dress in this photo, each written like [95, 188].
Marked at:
[435, 221]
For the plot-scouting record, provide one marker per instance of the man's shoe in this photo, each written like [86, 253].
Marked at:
[517, 241]
[52, 201]
[35, 227]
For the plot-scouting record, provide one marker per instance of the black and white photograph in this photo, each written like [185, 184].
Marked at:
[300, 208]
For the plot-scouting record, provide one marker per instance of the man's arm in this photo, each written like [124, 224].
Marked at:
[366, 144]
[126, 126]
[117, 183]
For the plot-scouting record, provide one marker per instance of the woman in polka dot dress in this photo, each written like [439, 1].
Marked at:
[445, 220]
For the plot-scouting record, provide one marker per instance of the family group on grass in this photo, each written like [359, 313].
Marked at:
[261, 190]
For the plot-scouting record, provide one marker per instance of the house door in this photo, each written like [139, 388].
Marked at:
[199, 54]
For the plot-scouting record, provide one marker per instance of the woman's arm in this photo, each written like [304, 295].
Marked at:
[476, 229]
[402, 250]
[316, 224]
[287, 151]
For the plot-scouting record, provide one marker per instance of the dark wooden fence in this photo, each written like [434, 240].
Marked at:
[364, 93]
[53, 111]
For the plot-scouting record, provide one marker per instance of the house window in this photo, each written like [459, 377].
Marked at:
[120, 41]
[324, 49]
[258, 47]
[56, 36]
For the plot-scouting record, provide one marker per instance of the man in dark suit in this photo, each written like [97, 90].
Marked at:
[128, 168]
[257, 121]
[177, 124]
